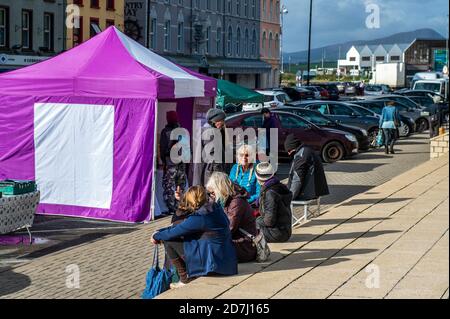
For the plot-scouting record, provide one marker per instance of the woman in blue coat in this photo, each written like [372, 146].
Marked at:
[201, 244]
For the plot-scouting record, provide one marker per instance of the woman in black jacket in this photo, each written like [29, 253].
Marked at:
[274, 205]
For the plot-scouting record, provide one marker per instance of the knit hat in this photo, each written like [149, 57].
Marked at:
[291, 143]
[172, 117]
[215, 115]
[264, 171]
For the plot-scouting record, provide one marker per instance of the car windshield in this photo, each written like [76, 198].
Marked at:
[435, 87]
[314, 117]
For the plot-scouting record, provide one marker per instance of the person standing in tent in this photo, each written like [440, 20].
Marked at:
[216, 121]
[174, 174]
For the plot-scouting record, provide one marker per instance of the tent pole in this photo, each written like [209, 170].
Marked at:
[155, 164]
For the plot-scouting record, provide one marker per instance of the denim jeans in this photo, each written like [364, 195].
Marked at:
[390, 134]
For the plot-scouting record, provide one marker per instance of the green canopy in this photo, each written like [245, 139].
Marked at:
[228, 92]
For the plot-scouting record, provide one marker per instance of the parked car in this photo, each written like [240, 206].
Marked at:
[297, 94]
[409, 114]
[333, 92]
[437, 98]
[372, 89]
[320, 93]
[345, 114]
[341, 87]
[407, 127]
[271, 99]
[321, 120]
[350, 89]
[331, 144]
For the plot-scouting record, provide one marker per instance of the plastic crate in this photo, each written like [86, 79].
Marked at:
[17, 187]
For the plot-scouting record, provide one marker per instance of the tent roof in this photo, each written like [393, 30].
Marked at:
[108, 65]
[228, 92]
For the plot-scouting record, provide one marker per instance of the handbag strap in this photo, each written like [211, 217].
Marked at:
[156, 256]
[247, 234]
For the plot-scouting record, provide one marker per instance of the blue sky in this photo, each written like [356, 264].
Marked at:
[336, 21]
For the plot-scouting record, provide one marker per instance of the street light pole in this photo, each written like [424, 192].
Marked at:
[309, 43]
[283, 11]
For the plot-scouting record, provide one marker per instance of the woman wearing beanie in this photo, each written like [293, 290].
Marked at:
[274, 205]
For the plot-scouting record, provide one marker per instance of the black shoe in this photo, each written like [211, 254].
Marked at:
[386, 150]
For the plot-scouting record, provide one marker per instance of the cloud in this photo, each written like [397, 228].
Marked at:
[345, 20]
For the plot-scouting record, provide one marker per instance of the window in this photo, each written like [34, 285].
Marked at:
[338, 109]
[95, 4]
[270, 44]
[254, 8]
[277, 47]
[180, 37]
[395, 58]
[264, 3]
[264, 43]
[153, 33]
[218, 42]
[110, 5]
[238, 42]
[4, 23]
[230, 41]
[180, 2]
[197, 4]
[352, 59]
[379, 58]
[27, 29]
[246, 43]
[208, 37]
[271, 10]
[78, 2]
[230, 8]
[167, 35]
[48, 31]
[109, 23]
[254, 43]
[290, 121]
[238, 7]
[246, 8]
[253, 121]
[94, 27]
[365, 58]
[208, 4]
[322, 108]
[78, 33]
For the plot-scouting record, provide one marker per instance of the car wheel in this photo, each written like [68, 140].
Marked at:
[404, 130]
[372, 135]
[332, 152]
[422, 125]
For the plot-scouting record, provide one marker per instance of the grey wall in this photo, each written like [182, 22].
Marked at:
[38, 7]
[215, 17]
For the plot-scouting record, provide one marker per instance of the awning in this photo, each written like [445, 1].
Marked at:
[228, 92]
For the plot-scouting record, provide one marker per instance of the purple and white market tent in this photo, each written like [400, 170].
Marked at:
[83, 125]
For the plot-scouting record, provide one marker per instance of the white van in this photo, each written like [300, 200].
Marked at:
[439, 86]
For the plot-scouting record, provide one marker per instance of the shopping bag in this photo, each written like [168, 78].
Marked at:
[158, 279]
[380, 138]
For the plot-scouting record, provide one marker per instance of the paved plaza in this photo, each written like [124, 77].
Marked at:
[382, 234]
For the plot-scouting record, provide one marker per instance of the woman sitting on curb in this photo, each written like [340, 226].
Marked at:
[201, 244]
[274, 205]
[233, 199]
[243, 172]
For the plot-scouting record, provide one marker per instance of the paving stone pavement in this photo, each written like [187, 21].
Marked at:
[115, 266]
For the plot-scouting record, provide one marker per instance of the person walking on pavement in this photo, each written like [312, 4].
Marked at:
[268, 123]
[174, 175]
[215, 121]
[389, 123]
[275, 221]
[307, 178]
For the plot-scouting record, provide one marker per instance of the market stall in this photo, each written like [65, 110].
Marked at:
[84, 125]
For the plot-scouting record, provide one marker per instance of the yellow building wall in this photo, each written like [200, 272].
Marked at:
[102, 14]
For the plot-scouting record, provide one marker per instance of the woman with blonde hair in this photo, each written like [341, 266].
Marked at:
[200, 244]
[243, 172]
[233, 199]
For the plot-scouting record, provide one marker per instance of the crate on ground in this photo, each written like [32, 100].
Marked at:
[17, 187]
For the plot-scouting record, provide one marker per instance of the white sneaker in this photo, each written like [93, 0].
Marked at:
[175, 285]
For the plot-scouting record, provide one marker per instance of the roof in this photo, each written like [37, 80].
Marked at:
[108, 65]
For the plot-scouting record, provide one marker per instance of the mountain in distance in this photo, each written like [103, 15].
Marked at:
[331, 52]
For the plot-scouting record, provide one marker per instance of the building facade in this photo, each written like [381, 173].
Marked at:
[419, 55]
[30, 31]
[217, 37]
[270, 41]
[94, 17]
